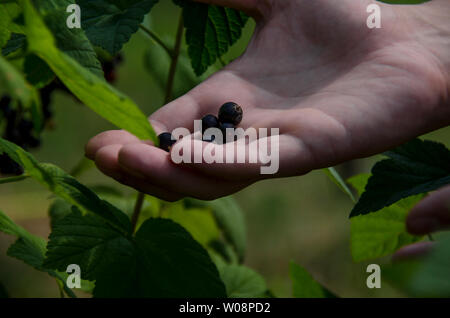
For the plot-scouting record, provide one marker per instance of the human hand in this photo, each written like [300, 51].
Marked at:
[429, 215]
[336, 90]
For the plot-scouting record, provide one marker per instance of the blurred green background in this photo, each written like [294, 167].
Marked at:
[304, 219]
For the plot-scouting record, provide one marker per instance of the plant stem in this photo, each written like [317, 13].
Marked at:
[430, 237]
[137, 210]
[222, 62]
[169, 90]
[157, 39]
[174, 62]
[13, 179]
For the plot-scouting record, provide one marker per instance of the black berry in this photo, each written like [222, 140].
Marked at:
[227, 134]
[4, 103]
[109, 68]
[25, 126]
[33, 142]
[230, 113]
[8, 166]
[5, 107]
[165, 141]
[210, 121]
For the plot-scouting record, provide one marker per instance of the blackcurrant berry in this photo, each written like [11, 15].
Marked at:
[33, 142]
[210, 121]
[4, 103]
[9, 166]
[5, 107]
[227, 134]
[14, 136]
[25, 126]
[118, 59]
[166, 142]
[230, 113]
[110, 76]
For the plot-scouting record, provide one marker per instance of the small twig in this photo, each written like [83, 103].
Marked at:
[137, 210]
[157, 39]
[168, 97]
[174, 63]
[14, 179]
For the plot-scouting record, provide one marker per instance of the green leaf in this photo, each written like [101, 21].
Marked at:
[427, 277]
[379, 234]
[199, 222]
[173, 259]
[16, 42]
[8, 13]
[91, 90]
[58, 210]
[72, 42]
[304, 285]
[15, 85]
[111, 23]
[81, 167]
[28, 248]
[229, 218]
[210, 32]
[337, 179]
[37, 71]
[162, 260]
[241, 281]
[66, 187]
[413, 168]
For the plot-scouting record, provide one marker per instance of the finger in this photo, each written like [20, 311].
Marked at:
[118, 137]
[274, 156]
[106, 160]
[154, 165]
[431, 214]
[206, 98]
[413, 251]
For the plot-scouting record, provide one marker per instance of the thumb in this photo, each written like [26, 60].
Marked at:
[248, 6]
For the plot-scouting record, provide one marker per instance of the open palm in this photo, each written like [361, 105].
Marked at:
[336, 90]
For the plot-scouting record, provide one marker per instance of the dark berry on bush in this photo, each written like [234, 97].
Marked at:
[166, 142]
[33, 142]
[4, 103]
[109, 68]
[109, 71]
[5, 107]
[230, 113]
[9, 167]
[118, 59]
[14, 136]
[111, 76]
[25, 126]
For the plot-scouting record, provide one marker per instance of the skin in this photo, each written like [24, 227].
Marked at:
[430, 215]
[336, 89]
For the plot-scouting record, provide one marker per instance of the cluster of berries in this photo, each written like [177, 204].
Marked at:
[18, 130]
[230, 115]
[109, 68]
